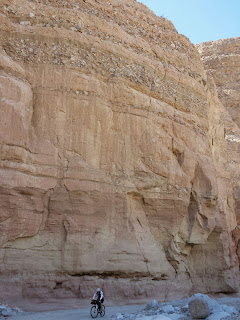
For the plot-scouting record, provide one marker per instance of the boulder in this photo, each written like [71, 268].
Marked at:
[213, 305]
[198, 308]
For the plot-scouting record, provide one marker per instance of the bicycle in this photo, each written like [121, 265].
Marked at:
[95, 310]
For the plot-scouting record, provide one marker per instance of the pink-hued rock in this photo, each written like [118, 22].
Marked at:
[108, 175]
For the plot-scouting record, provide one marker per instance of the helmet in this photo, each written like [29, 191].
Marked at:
[98, 289]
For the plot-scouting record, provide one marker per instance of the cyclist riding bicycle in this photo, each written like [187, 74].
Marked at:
[98, 296]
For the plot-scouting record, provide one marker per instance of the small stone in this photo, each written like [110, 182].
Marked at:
[8, 312]
[184, 309]
[218, 316]
[175, 316]
[168, 309]
[25, 23]
[157, 317]
[229, 309]
[152, 305]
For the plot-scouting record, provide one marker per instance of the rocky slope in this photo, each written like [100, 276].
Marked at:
[199, 306]
[112, 143]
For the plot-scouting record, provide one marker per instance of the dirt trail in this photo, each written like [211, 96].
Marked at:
[75, 314]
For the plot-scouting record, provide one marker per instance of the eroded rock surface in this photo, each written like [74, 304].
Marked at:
[107, 170]
[221, 59]
[222, 62]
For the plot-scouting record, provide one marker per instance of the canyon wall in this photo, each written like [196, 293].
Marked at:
[111, 156]
[222, 62]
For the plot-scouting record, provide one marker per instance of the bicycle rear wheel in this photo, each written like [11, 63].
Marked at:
[102, 313]
[94, 312]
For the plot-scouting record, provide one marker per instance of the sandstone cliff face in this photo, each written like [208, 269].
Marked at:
[107, 169]
[222, 61]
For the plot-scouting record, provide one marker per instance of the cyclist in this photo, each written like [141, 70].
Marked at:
[98, 296]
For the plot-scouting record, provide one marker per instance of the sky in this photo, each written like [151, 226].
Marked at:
[200, 20]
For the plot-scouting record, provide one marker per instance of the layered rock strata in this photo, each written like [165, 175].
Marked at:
[107, 170]
[222, 62]
[221, 59]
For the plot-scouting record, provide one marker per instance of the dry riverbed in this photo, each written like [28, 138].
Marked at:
[75, 314]
[174, 310]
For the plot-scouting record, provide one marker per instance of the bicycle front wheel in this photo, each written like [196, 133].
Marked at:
[102, 313]
[94, 312]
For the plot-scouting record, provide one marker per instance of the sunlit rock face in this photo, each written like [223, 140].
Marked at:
[111, 156]
[222, 62]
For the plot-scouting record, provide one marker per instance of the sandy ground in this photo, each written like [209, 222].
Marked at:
[76, 314]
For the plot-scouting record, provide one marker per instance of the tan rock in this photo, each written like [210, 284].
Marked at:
[107, 172]
[222, 61]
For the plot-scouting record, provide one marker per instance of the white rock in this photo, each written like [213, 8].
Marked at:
[175, 316]
[17, 309]
[184, 308]
[218, 316]
[119, 316]
[168, 309]
[152, 305]
[229, 309]
[161, 317]
[157, 317]
[25, 23]
[7, 312]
